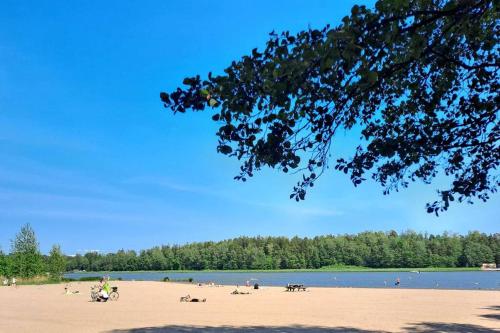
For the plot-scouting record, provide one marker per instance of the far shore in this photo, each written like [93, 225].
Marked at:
[153, 307]
[323, 269]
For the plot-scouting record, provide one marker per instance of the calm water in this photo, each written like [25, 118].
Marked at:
[424, 280]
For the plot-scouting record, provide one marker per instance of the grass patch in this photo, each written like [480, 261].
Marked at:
[43, 279]
[37, 280]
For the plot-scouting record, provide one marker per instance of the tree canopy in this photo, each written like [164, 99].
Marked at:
[27, 259]
[370, 249]
[418, 79]
[56, 262]
[5, 265]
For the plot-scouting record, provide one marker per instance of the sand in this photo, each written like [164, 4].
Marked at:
[155, 307]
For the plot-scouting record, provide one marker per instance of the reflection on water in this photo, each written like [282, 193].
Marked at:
[424, 280]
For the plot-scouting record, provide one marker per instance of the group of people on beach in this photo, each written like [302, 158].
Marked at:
[210, 284]
[11, 282]
[105, 289]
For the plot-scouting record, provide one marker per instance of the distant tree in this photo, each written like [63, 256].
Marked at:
[444, 251]
[92, 260]
[158, 261]
[476, 254]
[56, 263]
[380, 253]
[78, 262]
[419, 79]
[477, 249]
[495, 247]
[27, 260]
[3, 264]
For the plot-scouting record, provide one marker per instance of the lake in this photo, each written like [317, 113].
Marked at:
[423, 280]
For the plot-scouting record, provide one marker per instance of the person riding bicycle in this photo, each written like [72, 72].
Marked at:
[105, 289]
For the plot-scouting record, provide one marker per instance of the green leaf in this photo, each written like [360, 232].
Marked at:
[212, 102]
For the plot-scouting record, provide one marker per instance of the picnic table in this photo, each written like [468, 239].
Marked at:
[292, 287]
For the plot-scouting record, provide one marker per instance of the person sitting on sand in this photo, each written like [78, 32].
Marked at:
[239, 292]
[188, 298]
[68, 292]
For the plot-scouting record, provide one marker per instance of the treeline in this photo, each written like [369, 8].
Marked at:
[26, 261]
[369, 249]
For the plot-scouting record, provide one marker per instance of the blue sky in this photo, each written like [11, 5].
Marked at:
[86, 146]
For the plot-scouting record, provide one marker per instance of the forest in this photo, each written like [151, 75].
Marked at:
[368, 249]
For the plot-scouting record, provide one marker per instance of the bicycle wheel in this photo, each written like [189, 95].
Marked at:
[114, 296]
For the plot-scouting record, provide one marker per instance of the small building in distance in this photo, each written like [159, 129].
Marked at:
[488, 266]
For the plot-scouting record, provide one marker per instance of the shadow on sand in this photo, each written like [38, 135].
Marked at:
[495, 315]
[417, 327]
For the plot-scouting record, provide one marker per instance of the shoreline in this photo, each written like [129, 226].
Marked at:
[260, 285]
[197, 284]
[315, 287]
[319, 270]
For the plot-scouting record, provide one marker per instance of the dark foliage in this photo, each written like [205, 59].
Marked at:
[419, 80]
[371, 249]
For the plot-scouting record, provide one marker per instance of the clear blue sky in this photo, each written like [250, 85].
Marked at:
[86, 146]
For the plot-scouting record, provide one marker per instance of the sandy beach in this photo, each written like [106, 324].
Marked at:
[155, 307]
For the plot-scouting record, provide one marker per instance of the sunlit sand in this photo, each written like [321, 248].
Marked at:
[155, 307]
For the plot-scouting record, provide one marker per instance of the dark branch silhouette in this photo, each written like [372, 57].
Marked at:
[419, 79]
